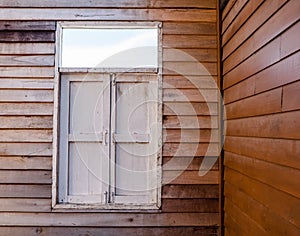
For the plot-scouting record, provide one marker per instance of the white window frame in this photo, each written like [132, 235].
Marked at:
[56, 205]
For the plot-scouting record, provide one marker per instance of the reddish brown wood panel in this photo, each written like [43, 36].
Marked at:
[190, 203]
[261, 93]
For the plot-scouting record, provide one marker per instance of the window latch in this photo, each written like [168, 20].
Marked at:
[106, 197]
[105, 137]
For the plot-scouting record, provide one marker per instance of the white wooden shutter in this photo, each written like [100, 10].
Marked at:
[134, 139]
[84, 137]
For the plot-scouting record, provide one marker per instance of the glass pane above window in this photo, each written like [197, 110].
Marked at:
[109, 48]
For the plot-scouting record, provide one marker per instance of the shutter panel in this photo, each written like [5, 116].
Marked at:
[134, 139]
[84, 124]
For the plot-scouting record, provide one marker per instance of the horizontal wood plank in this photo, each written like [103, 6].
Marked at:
[190, 68]
[25, 149]
[269, 221]
[190, 95]
[187, 122]
[196, 82]
[283, 125]
[195, 28]
[25, 205]
[26, 48]
[193, 55]
[26, 122]
[27, 25]
[185, 163]
[26, 60]
[283, 204]
[190, 205]
[233, 13]
[190, 177]
[189, 108]
[191, 149]
[108, 14]
[279, 22]
[26, 95]
[77, 4]
[190, 135]
[25, 177]
[36, 135]
[278, 151]
[26, 36]
[25, 163]
[281, 73]
[266, 9]
[190, 191]
[25, 191]
[271, 53]
[291, 97]
[280, 177]
[31, 72]
[105, 231]
[189, 41]
[254, 106]
[239, 218]
[26, 109]
[186, 4]
[109, 219]
[20, 83]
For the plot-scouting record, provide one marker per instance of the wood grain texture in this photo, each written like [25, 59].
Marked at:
[25, 83]
[26, 109]
[30, 72]
[192, 15]
[25, 149]
[77, 4]
[26, 95]
[261, 93]
[26, 36]
[25, 191]
[112, 231]
[190, 108]
[189, 205]
[266, 9]
[25, 177]
[291, 97]
[189, 177]
[189, 149]
[27, 51]
[186, 122]
[26, 48]
[190, 191]
[283, 204]
[109, 219]
[278, 151]
[185, 163]
[273, 27]
[195, 28]
[26, 60]
[261, 104]
[270, 222]
[26, 25]
[282, 125]
[25, 163]
[190, 95]
[25, 205]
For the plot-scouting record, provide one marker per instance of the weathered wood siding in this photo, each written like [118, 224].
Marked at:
[261, 66]
[27, 48]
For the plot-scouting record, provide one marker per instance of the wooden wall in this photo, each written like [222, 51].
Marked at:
[27, 47]
[261, 72]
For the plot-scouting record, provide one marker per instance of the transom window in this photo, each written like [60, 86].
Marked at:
[109, 122]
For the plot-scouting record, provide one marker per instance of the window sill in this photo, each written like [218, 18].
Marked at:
[111, 208]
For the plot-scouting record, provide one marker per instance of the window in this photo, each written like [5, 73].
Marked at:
[108, 137]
